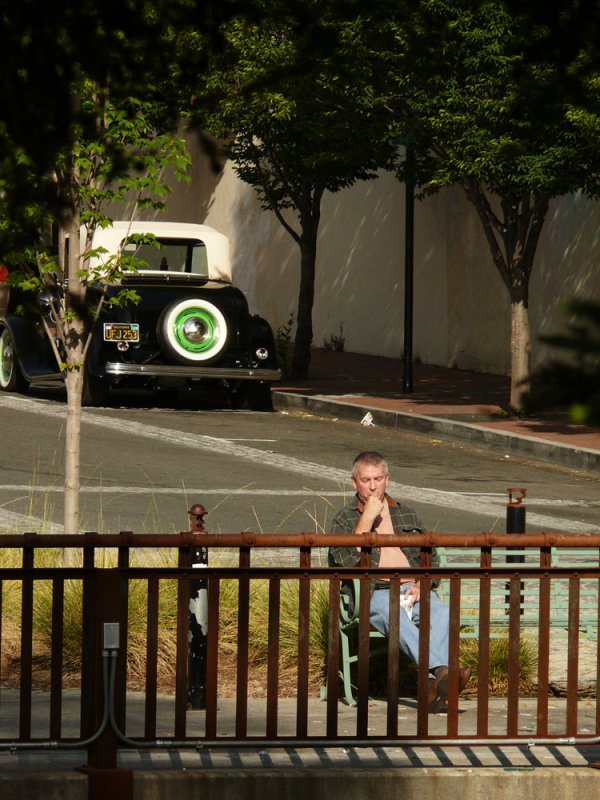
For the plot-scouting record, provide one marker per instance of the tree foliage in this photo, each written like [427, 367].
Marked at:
[291, 100]
[491, 103]
[128, 48]
[125, 159]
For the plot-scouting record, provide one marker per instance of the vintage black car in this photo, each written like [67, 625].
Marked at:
[191, 328]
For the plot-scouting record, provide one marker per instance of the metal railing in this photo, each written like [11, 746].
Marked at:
[46, 702]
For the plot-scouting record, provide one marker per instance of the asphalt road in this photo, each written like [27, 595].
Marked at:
[141, 468]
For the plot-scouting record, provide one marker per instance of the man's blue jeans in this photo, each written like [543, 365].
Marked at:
[409, 631]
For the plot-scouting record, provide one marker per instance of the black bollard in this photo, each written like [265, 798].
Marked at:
[515, 514]
[515, 523]
[198, 619]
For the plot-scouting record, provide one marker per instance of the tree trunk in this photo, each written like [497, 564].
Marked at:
[518, 231]
[304, 330]
[520, 345]
[74, 383]
[74, 377]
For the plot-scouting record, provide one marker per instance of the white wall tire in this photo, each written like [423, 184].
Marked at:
[192, 331]
[11, 379]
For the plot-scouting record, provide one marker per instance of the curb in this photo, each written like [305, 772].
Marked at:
[328, 783]
[504, 442]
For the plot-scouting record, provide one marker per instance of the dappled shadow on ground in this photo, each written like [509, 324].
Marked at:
[357, 373]
[209, 400]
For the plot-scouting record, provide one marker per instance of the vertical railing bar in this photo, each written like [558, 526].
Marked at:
[573, 655]
[363, 644]
[121, 666]
[333, 657]
[423, 668]
[26, 642]
[273, 655]
[151, 677]
[483, 644]
[304, 595]
[241, 700]
[453, 655]
[543, 677]
[87, 641]
[362, 710]
[514, 641]
[1, 629]
[56, 656]
[182, 645]
[393, 659]
[212, 656]
[598, 654]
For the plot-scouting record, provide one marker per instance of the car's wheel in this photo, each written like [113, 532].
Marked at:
[253, 395]
[11, 378]
[95, 391]
[192, 331]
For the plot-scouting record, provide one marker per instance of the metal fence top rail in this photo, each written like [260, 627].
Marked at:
[126, 539]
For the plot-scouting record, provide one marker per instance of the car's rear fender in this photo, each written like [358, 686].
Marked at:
[261, 336]
[35, 357]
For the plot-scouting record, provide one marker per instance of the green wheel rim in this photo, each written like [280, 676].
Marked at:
[205, 322]
[193, 331]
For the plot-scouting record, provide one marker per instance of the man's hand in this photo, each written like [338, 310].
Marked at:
[413, 593]
[373, 509]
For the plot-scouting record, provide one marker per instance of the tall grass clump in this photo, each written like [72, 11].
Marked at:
[72, 619]
[11, 614]
[259, 634]
[499, 662]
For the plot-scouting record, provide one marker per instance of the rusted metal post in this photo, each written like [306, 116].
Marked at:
[106, 584]
[198, 623]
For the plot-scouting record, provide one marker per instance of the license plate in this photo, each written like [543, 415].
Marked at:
[121, 332]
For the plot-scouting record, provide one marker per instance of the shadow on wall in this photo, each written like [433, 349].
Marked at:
[477, 301]
[360, 267]
[266, 261]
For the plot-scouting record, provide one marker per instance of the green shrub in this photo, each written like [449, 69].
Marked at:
[283, 343]
[336, 342]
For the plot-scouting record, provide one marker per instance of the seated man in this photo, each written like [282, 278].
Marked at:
[373, 510]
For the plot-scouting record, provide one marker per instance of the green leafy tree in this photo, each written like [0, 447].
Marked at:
[125, 161]
[292, 104]
[47, 48]
[491, 102]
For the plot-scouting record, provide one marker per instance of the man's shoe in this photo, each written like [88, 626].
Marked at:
[438, 691]
[464, 673]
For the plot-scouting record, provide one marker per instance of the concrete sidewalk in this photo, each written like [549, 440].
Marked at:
[453, 404]
[402, 771]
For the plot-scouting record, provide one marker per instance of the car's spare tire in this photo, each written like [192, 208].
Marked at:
[192, 331]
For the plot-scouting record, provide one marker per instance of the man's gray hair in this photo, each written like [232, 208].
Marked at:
[371, 457]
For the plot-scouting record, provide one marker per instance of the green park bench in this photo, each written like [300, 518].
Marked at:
[529, 605]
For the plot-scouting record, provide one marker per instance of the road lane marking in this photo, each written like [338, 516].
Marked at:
[223, 447]
[101, 488]
[27, 522]
[498, 499]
